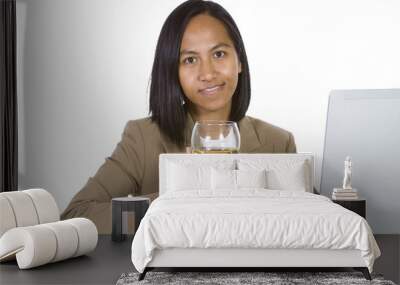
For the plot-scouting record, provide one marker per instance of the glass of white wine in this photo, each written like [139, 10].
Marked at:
[214, 136]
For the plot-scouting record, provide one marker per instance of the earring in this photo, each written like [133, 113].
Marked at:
[183, 101]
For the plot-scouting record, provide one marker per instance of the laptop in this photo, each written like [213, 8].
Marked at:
[365, 125]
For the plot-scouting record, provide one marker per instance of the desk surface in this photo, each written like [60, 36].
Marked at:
[102, 266]
[110, 259]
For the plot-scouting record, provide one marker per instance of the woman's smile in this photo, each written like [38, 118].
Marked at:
[212, 90]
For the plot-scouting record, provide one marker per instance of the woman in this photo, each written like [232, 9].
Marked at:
[200, 72]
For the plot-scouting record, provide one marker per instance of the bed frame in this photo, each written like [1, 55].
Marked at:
[248, 259]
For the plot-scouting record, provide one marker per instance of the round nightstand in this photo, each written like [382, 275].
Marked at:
[123, 206]
[358, 206]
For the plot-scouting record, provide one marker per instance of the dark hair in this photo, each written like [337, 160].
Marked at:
[166, 94]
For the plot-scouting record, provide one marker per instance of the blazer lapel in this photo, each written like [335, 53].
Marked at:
[248, 137]
[170, 147]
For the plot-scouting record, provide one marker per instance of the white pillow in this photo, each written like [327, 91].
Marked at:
[251, 178]
[281, 174]
[223, 179]
[293, 178]
[236, 179]
[182, 177]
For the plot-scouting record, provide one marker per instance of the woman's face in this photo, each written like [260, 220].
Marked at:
[208, 67]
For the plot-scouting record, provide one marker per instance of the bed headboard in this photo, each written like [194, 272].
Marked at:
[235, 160]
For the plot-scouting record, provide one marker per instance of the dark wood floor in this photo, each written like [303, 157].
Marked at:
[389, 262]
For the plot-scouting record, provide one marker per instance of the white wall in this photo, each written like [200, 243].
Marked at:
[84, 68]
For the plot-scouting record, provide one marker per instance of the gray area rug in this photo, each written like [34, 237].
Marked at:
[225, 278]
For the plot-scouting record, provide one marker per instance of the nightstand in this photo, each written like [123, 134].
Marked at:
[358, 206]
[121, 208]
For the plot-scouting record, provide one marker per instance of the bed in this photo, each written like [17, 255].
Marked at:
[245, 211]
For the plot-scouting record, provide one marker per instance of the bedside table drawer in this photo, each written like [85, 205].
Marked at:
[357, 206]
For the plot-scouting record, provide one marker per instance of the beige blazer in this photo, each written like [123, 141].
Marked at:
[133, 166]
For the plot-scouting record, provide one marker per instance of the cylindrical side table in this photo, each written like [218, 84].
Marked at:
[137, 205]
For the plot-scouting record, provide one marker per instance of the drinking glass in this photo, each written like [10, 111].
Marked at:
[214, 136]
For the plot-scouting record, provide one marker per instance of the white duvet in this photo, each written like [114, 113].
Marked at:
[251, 218]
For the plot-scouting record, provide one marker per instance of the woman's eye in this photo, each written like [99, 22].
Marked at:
[219, 54]
[189, 60]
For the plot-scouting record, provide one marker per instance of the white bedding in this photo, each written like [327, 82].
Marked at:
[250, 218]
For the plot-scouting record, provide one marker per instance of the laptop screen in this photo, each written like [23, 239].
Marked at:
[365, 125]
